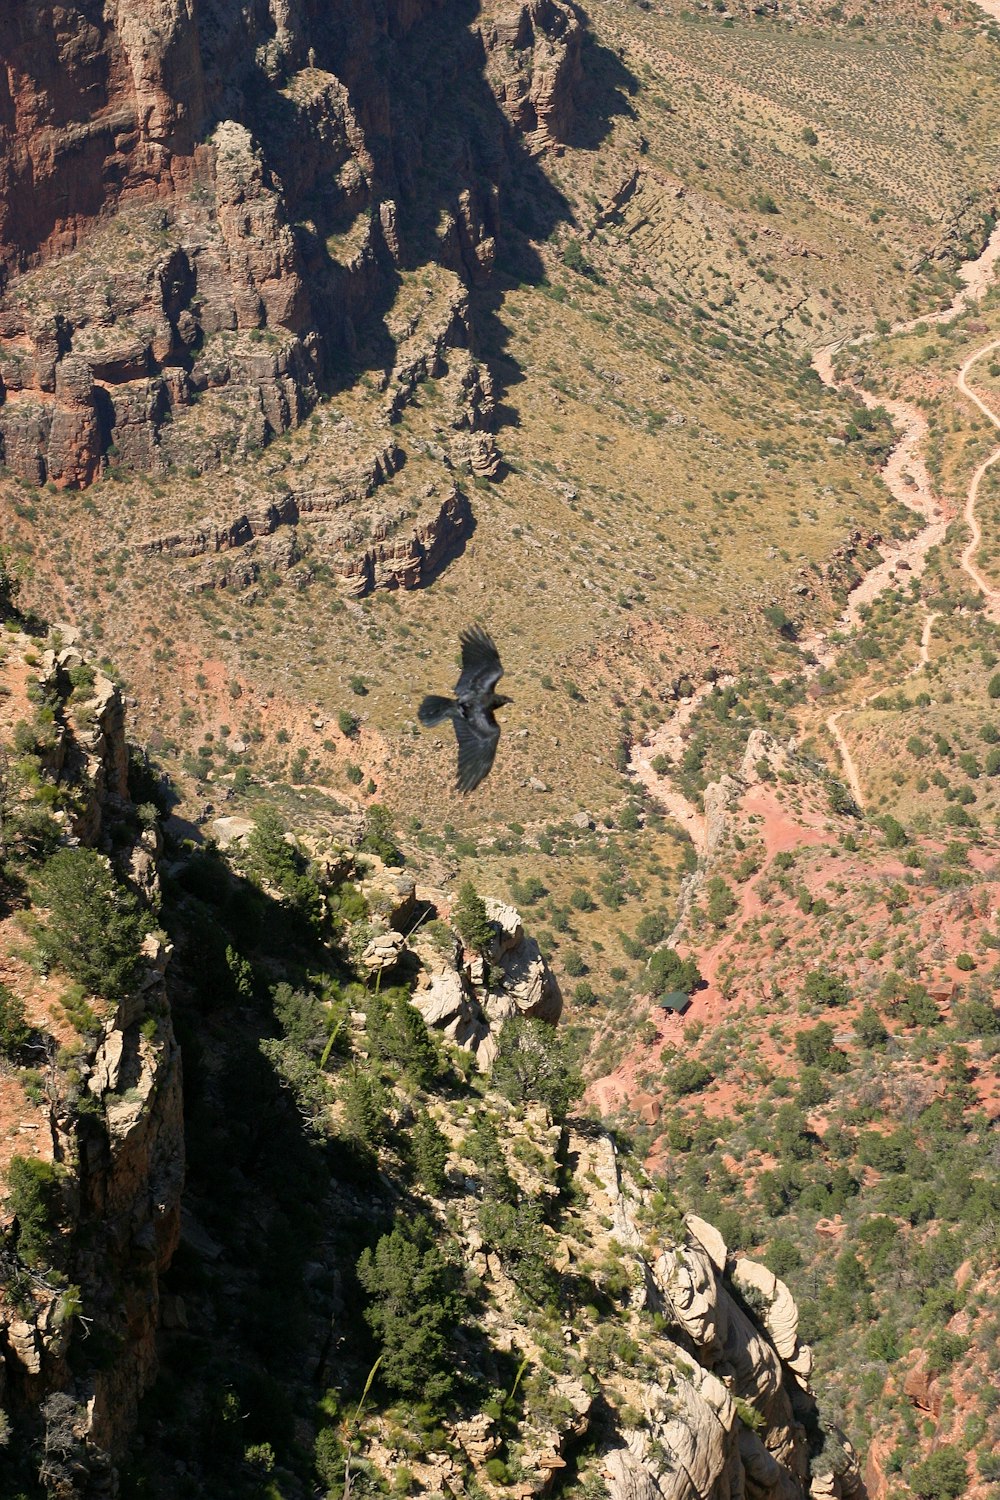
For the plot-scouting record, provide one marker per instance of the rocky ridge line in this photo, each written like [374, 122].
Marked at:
[115, 1125]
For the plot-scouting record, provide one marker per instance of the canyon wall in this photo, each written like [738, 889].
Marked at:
[105, 1109]
[200, 197]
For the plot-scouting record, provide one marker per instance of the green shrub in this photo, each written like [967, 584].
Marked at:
[95, 926]
[943, 1350]
[397, 1032]
[688, 1075]
[14, 1029]
[82, 680]
[379, 835]
[895, 833]
[943, 1475]
[516, 1232]
[429, 1153]
[271, 859]
[10, 583]
[816, 1048]
[870, 1029]
[575, 260]
[536, 1062]
[33, 1199]
[415, 1306]
[470, 918]
[782, 1256]
[304, 1020]
[776, 617]
[668, 971]
[824, 987]
[365, 1104]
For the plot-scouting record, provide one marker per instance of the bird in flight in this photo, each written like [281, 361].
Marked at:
[471, 709]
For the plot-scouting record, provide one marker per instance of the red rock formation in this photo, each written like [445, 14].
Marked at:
[98, 104]
[922, 1388]
[333, 158]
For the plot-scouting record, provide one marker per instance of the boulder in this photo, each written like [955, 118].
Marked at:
[520, 981]
[781, 1316]
[383, 952]
[710, 1240]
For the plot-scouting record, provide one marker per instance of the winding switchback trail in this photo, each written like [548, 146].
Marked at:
[906, 476]
[990, 594]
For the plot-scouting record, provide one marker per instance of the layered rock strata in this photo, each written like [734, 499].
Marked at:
[198, 199]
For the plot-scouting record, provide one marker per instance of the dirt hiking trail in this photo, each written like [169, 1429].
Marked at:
[906, 476]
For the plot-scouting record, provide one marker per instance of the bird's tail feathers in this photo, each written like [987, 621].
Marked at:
[434, 708]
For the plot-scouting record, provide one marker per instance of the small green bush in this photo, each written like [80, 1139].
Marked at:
[414, 1308]
[379, 835]
[14, 1029]
[536, 1062]
[34, 1201]
[470, 918]
[95, 926]
[688, 1075]
[943, 1475]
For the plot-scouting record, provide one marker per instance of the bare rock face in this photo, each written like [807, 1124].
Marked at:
[90, 748]
[261, 255]
[723, 1331]
[725, 1419]
[469, 998]
[131, 1186]
[104, 105]
[125, 1188]
[519, 981]
[534, 51]
[780, 1315]
[74, 441]
[708, 1413]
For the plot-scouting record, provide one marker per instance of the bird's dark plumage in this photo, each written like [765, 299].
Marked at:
[471, 710]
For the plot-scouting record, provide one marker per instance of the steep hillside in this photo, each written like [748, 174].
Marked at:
[369, 1225]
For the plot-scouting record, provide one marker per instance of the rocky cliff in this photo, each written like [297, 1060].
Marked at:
[298, 158]
[93, 1089]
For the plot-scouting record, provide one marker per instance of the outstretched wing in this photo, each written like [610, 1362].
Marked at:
[481, 669]
[477, 738]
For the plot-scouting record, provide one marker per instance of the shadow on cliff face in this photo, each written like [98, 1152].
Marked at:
[237, 1303]
[394, 121]
[605, 88]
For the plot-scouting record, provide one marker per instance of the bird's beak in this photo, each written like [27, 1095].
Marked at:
[503, 699]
